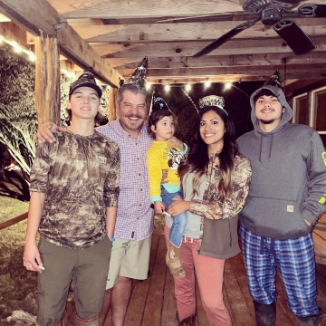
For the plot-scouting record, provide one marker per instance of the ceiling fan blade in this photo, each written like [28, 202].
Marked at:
[293, 35]
[224, 38]
[311, 10]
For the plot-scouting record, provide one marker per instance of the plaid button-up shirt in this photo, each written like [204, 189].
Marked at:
[134, 213]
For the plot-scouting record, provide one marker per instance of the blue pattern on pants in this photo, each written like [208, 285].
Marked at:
[179, 221]
[296, 264]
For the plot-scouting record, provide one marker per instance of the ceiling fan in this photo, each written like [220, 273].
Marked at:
[270, 13]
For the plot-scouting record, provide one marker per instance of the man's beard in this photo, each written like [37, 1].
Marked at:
[267, 122]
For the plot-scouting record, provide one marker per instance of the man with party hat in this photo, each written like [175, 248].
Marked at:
[286, 196]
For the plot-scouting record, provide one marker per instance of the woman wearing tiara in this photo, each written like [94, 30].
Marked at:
[215, 179]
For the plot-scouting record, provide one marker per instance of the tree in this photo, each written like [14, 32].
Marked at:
[18, 117]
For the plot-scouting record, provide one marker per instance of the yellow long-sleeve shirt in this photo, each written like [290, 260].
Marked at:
[161, 156]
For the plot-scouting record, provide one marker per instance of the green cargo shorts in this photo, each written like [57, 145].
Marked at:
[87, 268]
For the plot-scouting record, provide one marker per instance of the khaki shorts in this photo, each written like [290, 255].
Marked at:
[129, 258]
[88, 268]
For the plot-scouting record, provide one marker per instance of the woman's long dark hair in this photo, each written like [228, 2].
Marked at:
[198, 159]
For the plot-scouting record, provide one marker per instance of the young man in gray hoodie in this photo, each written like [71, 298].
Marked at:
[286, 196]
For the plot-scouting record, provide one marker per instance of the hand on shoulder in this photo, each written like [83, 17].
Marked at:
[45, 131]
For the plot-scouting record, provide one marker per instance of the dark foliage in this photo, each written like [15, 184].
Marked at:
[18, 117]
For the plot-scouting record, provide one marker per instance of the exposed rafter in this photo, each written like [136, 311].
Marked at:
[114, 36]
[37, 15]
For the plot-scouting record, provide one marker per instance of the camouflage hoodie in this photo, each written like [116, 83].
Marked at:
[218, 235]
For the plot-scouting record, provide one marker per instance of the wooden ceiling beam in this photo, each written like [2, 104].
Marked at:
[187, 31]
[198, 79]
[12, 32]
[311, 71]
[118, 9]
[233, 16]
[223, 61]
[141, 8]
[177, 49]
[37, 15]
[77, 50]
[120, 62]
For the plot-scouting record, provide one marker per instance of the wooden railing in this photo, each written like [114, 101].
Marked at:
[13, 221]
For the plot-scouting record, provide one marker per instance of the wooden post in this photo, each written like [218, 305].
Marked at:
[113, 95]
[47, 80]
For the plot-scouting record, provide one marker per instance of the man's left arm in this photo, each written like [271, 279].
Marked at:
[315, 202]
[111, 192]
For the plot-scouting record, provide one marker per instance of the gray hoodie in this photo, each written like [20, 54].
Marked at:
[288, 183]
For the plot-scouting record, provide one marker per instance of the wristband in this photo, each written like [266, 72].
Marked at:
[112, 239]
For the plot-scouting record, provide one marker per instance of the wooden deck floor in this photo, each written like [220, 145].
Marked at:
[153, 304]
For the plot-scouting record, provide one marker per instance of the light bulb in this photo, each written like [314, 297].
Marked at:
[227, 85]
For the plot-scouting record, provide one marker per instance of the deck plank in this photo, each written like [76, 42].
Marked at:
[321, 284]
[139, 295]
[152, 313]
[239, 309]
[169, 303]
[153, 303]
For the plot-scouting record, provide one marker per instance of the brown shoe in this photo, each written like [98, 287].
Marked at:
[173, 261]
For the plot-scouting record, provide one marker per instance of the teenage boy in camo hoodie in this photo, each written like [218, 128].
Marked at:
[287, 194]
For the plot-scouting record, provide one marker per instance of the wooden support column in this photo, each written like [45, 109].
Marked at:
[113, 95]
[47, 79]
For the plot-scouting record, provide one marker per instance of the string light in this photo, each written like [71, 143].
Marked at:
[207, 84]
[148, 86]
[167, 88]
[32, 56]
[18, 48]
[228, 85]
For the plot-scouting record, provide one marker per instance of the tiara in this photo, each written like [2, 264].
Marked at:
[212, 100]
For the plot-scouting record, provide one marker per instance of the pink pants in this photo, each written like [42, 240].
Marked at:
[209, 274]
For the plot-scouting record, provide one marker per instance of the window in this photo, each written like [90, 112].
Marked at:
[301, 109]
[319, 99]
